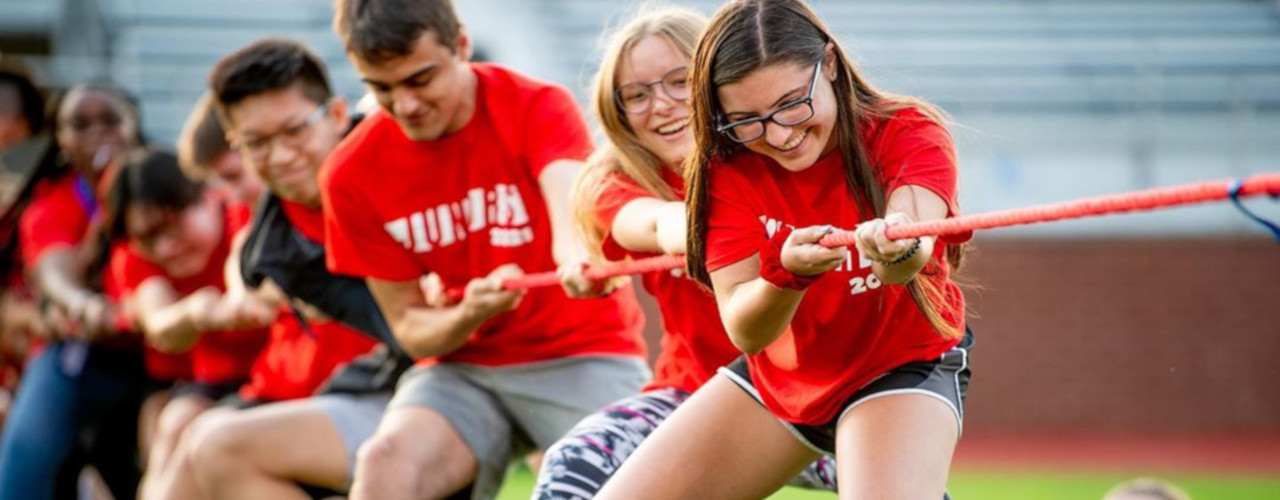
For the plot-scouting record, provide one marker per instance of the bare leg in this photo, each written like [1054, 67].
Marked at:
[416, 454]
[534, 460]
[171, 424]
[718, 444]
[148, 421]
[264, 452]
[176, 480]
[896, 447]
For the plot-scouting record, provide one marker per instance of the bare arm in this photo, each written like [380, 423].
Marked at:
[567, 248]
[57, 278]
[906, 204]
[170, 323]
[754, 311]
[556, 182]
[267, 294]
[424, 330]
[650, 225]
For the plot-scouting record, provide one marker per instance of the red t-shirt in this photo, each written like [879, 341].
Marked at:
[218, 357]
[694, 343]
[60, 215]
[397, 209]
[849, 328]
[295, 362]
[308, 221]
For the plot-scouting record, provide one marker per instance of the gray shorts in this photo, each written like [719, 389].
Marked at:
[356, 417]
[502, 411]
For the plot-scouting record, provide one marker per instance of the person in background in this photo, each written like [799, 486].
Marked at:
[21, 117]
[1146, 488]
[204, 153]
[284, 120]
[171, 239]
[629, 204]
[89, 379]
[21, 108]
[466, 172]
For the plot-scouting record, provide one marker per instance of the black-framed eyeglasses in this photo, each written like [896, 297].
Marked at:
[788, 115]
[636, 98]
[293, 136]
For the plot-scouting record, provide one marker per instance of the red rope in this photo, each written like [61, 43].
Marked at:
[1088, 207]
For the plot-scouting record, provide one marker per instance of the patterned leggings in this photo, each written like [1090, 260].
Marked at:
[577, 466]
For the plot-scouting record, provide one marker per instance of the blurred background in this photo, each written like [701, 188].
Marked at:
[1107, 348]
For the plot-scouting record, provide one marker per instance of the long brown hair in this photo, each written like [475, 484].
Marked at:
[746, 35]
[623, 152]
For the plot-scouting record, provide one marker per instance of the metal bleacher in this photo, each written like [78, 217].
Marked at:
[1031, 55]
[1052, 99]
[1055, 99]
[164, 49]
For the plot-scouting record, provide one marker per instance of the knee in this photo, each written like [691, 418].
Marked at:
[169, 427]
[392, 459]
[380, 453]
[215, 447]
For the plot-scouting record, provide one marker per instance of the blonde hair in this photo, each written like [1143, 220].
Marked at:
[623, 153]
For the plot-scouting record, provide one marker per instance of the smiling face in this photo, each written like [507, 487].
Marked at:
[770, 88]
[179, 241]
[94, 127]
[662, 128]
[430, 91]
[287, 151]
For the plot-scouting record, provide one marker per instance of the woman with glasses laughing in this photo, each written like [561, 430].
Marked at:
[858, 353]
[628, 205]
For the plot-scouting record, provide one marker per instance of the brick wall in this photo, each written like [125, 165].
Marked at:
[1174, 335]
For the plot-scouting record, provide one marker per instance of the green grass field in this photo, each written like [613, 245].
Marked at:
[1022, 485]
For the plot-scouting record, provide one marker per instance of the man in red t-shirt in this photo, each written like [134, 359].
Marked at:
[281, 115]
[466, 174]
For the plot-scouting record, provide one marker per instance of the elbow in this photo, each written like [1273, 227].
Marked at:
[748, 344]
[745, 331]
[420, 345]
[417, 350]
[411, 345]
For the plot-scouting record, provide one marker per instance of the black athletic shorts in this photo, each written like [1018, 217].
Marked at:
[946, 378]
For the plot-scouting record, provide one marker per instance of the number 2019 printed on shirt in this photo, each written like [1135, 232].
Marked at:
[859, 284]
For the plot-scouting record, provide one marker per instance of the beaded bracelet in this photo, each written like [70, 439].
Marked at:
[905, 256]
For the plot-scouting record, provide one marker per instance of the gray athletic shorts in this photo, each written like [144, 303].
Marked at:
[505, 411]
[356, 417]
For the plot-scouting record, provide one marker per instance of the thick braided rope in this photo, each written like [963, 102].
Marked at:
[1149, 199]
[1088, 207]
